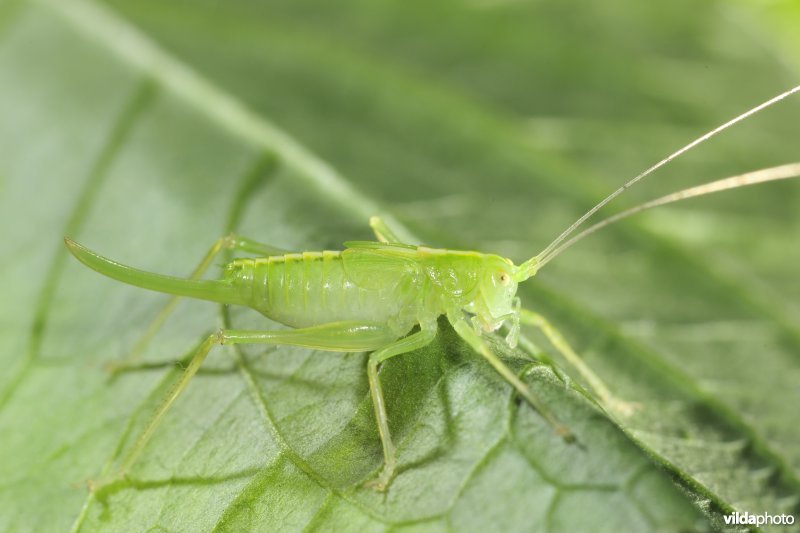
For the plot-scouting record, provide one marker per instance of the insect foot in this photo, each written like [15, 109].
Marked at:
[100, 487]
[115, 368]
[621, 408]
[382, 482]
[565, 433]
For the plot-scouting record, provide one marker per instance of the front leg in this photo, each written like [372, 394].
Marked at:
[609, 402]
[468, 333]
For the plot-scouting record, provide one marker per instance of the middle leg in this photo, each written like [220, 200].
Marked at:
[382, 232]
[407, 344]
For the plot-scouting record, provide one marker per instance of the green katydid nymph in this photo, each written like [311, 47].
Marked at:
[385, 297]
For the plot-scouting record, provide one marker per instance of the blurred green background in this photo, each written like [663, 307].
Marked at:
[144, 129]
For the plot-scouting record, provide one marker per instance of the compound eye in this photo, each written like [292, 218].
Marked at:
[503, 278]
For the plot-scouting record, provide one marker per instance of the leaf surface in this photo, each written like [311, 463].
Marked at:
[148, 129]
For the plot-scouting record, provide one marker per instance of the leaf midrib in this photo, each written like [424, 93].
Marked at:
[104, 26]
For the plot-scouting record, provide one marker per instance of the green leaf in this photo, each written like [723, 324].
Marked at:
[147, 129]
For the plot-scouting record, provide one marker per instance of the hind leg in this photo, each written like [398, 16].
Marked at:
[229, 242]
[337, 337]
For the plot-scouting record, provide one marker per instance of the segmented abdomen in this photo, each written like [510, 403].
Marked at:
[309, 288]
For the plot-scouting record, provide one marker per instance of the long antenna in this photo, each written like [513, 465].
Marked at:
[566, 233]
[791, 170]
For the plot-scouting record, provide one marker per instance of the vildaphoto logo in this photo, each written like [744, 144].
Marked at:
[763, 519]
